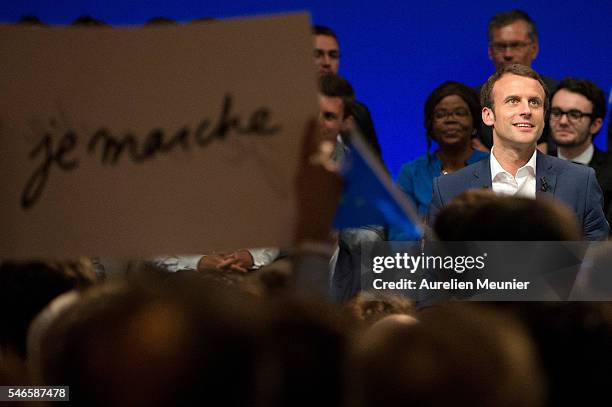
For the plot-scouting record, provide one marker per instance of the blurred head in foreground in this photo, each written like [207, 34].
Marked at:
[479, 215]
[458, 354]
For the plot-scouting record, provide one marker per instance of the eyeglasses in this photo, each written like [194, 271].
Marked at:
[499, 47]
[442, 113]
[333, 54]
[573, 115]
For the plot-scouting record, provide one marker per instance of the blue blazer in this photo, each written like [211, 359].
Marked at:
[573, 184]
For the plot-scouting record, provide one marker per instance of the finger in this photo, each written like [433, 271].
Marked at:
[240, 269]
[226, 263]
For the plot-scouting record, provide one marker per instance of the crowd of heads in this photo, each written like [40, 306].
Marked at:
[153, 339]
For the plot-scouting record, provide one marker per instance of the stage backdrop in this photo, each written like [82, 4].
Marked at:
[394, 52]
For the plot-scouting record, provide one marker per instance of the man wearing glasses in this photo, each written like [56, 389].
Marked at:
[578, 108]
[513, 39]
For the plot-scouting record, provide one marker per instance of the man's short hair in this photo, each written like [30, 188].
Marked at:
[508, 17]
[587, 89]
[333, 85]
[509, 218]
[486, 93]
[324, 30]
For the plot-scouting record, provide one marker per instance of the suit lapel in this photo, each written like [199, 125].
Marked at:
[546, 177]
[482, 174]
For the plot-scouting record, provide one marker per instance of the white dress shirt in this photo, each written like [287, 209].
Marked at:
[583, 158]
[522, 185]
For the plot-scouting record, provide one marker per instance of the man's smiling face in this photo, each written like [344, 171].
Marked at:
[518, 111]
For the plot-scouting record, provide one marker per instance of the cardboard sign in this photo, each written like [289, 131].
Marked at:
[152, 140]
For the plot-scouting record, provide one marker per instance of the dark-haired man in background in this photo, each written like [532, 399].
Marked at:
[513, 39]
[326, 50]
[336, 99]
[327, 61]
[577, 111]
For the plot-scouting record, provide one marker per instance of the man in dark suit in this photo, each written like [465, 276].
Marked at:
[346, 263]
[577, 111]
[515, 101]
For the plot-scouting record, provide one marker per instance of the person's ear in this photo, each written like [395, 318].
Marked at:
[595, 125]
[488, 117]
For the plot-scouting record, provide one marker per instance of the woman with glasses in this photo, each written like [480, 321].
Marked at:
[452, 121]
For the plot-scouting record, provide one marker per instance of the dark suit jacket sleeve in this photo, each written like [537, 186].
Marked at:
[436, 204]
[595, 225]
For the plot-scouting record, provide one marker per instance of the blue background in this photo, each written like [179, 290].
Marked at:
[395, 53]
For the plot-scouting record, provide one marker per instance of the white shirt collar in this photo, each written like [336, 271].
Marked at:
[522, 184]
[583, 158]
[496, 167]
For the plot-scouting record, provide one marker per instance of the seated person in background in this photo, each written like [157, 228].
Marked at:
[26, 287]
[243, 260]
[577, 111]
[515, 103]
[452, 114]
